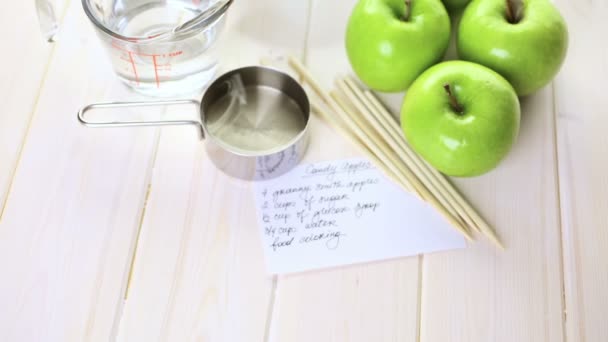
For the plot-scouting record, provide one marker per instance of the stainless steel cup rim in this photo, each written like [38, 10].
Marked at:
[282, 82]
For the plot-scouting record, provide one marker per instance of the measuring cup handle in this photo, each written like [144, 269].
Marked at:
[101, 124]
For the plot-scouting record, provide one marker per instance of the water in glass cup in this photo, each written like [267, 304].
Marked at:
[144, 53]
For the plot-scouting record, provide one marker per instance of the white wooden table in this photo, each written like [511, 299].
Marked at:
[132, 235]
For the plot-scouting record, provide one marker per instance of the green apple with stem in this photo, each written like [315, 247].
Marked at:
[524, 41]
[454, 5]
[461, 117]
[391, 42]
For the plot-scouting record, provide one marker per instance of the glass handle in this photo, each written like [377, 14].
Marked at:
[47, 19]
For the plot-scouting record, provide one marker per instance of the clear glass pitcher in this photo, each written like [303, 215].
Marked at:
[157, 47]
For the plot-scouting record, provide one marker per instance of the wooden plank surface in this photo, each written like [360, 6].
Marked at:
[134, 235]
[375, 302]
[481, 294]
[199, 272]
[582, 121]
[25, 60]
[75, 203]
[516, 295]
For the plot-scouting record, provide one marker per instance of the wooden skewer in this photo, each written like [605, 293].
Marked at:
[479, 223]
[379, 148]
[375, 143]
[428, 173]
[355, 95]
[374, 148]
[382, 122]
[340, 127]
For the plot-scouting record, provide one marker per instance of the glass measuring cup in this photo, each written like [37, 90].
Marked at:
[157, 47]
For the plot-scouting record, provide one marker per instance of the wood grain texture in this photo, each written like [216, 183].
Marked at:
[374, 302]
[481, 294]
[25, 58]
[75, 204]
[199, 273]
[88, 212]
[582, 121]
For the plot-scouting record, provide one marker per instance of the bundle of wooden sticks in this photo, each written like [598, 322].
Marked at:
[360, 116]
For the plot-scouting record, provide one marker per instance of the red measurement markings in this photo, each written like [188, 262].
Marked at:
[157, 67]
[134, 68]
[156, 71]
[170, 54]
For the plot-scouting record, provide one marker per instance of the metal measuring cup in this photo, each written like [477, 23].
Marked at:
[254, 120]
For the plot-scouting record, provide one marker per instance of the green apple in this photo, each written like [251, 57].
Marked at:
[524, 41]
[461, 117]
[453, 5]
[391, 42]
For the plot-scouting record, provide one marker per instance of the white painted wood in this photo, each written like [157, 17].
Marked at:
[67, 231]
[24, 58]
[199, 273]
[481, 294]
[374, 302]
[582, 121]
[74, 211]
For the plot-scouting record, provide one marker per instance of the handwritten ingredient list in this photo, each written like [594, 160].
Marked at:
[343, 212]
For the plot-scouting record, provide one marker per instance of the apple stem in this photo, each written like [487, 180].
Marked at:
[408, 10]
[512, 12]
[453, 101]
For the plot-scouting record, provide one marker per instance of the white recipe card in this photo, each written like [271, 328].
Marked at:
[344, 212]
